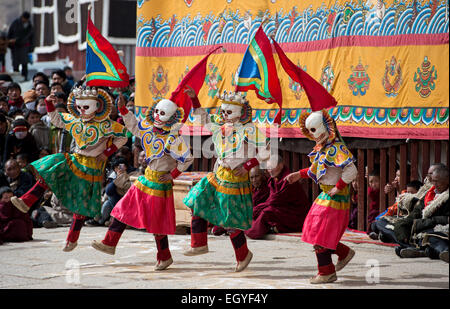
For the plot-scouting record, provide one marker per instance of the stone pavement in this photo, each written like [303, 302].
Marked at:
[281, 263]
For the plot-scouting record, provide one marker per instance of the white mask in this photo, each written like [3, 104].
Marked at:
[31, 105]
[163, 111]
[42, 109]
[21, 134]
[231, 112]
[316, 127]
[86, 107]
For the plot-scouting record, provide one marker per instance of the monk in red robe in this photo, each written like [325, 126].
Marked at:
[260, 188]
[285, 208]
[15, 226]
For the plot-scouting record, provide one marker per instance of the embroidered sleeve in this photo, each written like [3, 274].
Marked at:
[132, 124]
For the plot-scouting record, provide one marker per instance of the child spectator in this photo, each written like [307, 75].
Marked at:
[15, 226]
[38, 129]
[373, 195]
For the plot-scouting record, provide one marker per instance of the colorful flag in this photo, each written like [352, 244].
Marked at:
[194, 78]
[103, 65]
[258, 72]
[319, 98]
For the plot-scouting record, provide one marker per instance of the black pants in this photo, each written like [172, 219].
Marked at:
[385, 234]
[20, 57]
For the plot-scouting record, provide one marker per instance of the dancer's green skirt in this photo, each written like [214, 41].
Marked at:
[222, 199]
[76, 180]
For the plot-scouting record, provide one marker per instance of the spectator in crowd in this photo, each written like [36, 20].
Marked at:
[56, 87]
[20, 182]
[15, 112]
[69, 76]
[4, 106]
[60, 139]
[59, 77]
[29, 98]
[14, 93]
[114, 113]
[42, 89]
[378, 227]
[424, 231]
[260, 189]
[44, 151]
[15, 226]
[40, 77]
[19, 140]
[373, 196]
[3, 49]
[4, 129]
[284, 210]
[21, 37]
[132, 85]
[40, 105]
[394, 186]
[125, 152]
[61, 98]
[130, 104]
[24, 163]
[142, 164]
[38, 129]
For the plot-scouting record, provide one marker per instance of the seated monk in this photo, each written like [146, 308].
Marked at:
[260, 188]
[15, 226]
[285, 208]
[260, 193]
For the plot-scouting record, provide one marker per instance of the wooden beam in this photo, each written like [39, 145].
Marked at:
[437, 151]
[391, 172]
[414, 155]
[403, 166]
[306, 182]
[425, 145]
[362, 218]
[383, 178]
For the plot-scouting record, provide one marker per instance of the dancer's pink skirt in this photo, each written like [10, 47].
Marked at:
[148, 205]
[327, 219]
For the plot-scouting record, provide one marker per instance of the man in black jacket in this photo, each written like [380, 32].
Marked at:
[20, 34]
[424, 232]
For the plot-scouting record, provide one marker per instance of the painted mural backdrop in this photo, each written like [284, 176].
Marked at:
[385, 61]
